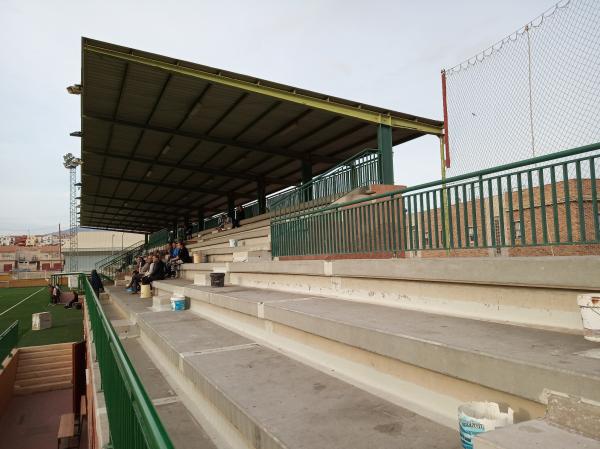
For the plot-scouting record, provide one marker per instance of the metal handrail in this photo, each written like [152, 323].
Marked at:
[133, 420]
[543, 201]
[8, 340]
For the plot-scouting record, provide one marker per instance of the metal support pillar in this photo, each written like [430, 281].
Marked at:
[230, 205]
[201, 219]
[175, 236]
[384, 143]
[146, 239]
[306, 178]
[261, 196]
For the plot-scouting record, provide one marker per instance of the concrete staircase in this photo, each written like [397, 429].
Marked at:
[253, 242]
[44, 368]
[365, 353]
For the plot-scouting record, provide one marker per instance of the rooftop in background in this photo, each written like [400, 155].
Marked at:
[163, 138]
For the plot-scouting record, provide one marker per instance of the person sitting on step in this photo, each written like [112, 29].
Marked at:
[157, 270]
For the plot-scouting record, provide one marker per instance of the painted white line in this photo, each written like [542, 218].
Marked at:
[22, 301]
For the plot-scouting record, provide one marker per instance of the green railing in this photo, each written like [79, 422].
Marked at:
[360, 170]
[543, 201]
[133, 421]
[111, 265]
[8, 340]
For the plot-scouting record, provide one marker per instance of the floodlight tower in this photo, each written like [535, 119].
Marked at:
[71, 163]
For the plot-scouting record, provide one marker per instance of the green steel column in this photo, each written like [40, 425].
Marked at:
[145, 239]
[175, 236]
[230, 205]
[306, 178]
[384, 143]
[200, 219]
[261, 196]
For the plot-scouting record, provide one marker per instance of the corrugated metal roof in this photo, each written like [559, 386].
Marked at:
[159, 144]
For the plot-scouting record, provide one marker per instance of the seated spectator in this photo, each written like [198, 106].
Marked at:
[183, 256]
[189, 231]
[145, 266]
[223, 222]
[157, 270]
[73, 301]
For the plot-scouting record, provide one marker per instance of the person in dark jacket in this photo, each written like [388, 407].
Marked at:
[75, 300]
[96, 282]
[157, 272]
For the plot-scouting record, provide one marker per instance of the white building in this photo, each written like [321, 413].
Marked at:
[7, 240]
[96, 245]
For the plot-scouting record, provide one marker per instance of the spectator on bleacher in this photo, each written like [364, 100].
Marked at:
[238, 214]
[183, 256]
[189, 231]
[73, 301]
[157, 270]
[141, 268]
[96, 282]
[223, 221]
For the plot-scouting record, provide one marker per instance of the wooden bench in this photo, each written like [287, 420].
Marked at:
[66, 429]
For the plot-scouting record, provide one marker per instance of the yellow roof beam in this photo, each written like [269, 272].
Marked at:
[294, 97]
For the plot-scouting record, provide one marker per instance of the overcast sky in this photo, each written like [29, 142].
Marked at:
[386, 53]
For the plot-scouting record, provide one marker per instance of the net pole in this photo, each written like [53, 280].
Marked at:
[443, 163]
[445, 107]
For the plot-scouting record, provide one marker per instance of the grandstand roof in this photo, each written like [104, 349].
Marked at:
[163, 138]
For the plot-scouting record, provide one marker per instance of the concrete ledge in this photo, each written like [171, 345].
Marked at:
[536, 434]
[524, 362]
[276, 402]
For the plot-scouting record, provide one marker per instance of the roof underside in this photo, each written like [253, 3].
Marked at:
[163, 138]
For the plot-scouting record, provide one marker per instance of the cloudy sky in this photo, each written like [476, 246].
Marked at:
[386, 53]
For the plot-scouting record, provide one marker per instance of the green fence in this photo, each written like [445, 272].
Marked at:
[133, 421]
[110, 266]
[548, 200]
[8, 340]
[360, 170]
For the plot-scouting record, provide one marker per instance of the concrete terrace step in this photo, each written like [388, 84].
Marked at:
[43, 354]
[184, 430]
[211, 233]
[536, 434]
[23, 375]
[50, 386]
[242, 235]
[48, 378]
[276, 402]
[43, 361]
[524, 362]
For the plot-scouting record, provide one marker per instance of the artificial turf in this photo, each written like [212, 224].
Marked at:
[67, 324]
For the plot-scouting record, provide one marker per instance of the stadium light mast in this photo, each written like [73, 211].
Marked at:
[71, 163]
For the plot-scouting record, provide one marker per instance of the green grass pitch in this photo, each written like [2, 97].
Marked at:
[67, 324]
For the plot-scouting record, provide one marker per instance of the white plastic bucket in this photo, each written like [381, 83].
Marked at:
[233, 243]
[478, 417]
[145, 291]
[589, 306]
[197, 258]
[177, 303]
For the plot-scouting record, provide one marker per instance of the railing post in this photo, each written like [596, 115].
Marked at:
[230, 206]
[384, 143]
[306, 178]
[201, 219]
[261, 196]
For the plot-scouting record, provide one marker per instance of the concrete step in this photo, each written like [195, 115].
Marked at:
[243, 234]
[51, 386]
[447, 358]
[174, 410]
[276, 402]
[45, 348]
[537, 434]
[534, 291]
[44, 360]
[44, 354]
[35, 374]
[55, 364]
[48, 379]
[211, 233]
